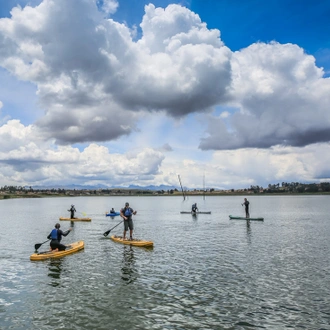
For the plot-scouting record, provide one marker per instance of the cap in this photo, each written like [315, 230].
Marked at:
[126, 204]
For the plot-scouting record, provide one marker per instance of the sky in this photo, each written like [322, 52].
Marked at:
[226, 94]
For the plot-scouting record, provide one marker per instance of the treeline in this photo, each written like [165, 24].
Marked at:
[20, 189]
[284, 187]
[293, 187]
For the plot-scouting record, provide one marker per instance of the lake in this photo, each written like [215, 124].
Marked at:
[204, 271]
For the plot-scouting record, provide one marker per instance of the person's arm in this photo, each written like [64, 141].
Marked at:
[134, 212]
[49, 236]
[122, 214]
[65, 233]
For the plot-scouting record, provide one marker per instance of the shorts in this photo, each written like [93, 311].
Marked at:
[128, 224]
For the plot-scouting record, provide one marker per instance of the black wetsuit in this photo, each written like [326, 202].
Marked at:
[55, 242]
[247, 214]
[72, 210]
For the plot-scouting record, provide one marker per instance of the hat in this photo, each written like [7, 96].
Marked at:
[126, 204]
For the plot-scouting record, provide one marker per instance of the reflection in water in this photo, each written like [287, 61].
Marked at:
[129, 273]
[55, 269]
[248, 231]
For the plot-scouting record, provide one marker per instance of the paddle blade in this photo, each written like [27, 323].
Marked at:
[37, 246]
[106, 233]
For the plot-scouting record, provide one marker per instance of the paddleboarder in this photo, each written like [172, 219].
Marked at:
[56, 237]
[72, 211]
[246, 204]
[194, 208]
[126, 213]
[112, 210]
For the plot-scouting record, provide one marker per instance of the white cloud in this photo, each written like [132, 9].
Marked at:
[79, 60]
[28, 159]
[282, 96]
[109, 6]
[151, 101]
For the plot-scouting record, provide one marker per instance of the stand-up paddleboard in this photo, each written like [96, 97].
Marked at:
[231, 217]
[134, 242]
[198, 212]
[71, 248]
[75, 219]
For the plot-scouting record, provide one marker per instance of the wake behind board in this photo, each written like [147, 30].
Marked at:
[198, 212]
[231, 217]
[75, 219]
[134, 242]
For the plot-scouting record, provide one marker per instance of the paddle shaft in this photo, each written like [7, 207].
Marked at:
[37, 246]
[107, 232]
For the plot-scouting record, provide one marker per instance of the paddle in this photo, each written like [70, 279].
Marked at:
[83, 213]
[37, 246]
[107, 232]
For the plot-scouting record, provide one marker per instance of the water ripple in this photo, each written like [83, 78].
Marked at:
[204, 272]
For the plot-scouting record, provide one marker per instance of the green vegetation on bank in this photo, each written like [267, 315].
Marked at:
[7, 192]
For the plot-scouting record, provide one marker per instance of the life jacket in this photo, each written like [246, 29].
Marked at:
[128, 212]
[53, 234]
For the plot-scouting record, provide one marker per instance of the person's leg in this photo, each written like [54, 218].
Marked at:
[125, 228]
[56, 246]
[61, 247]
[130, 225]
[53, 246]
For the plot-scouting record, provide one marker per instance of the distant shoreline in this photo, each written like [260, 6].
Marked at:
[148, 194]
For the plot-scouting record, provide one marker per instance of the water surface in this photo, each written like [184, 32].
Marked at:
[204, 272]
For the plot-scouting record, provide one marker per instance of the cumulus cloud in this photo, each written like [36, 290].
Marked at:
[281, 98]
[26, 157]
[108, 6]
[96, 83]
[84, 65]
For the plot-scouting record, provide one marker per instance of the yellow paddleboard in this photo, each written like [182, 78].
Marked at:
[71, 248]
[76, 219]
[135, 242]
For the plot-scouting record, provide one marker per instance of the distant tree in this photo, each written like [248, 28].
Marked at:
[312, 188]
[325, 186]
[300, 189]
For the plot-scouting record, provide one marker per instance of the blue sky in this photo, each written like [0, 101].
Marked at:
[242, 23]
[137, 92]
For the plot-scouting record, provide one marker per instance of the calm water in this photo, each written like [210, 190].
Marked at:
[204, 272]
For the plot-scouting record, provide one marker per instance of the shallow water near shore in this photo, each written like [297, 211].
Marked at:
[204, 271]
